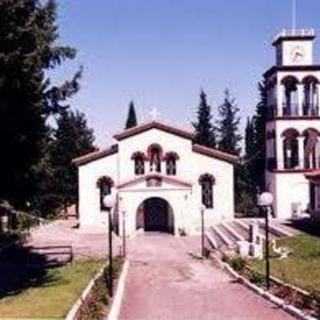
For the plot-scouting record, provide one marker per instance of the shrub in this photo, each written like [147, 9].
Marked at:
[238, 263]
[256, 278]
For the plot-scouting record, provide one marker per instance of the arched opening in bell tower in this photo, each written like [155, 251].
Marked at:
[311, 149]
[291, 149]
[310, 96]
[291, 97]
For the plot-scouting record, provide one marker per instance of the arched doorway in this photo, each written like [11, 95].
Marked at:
[155, 214]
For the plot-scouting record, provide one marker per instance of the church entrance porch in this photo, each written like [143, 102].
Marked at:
[155, 214]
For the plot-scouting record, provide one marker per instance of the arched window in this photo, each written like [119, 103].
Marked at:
[291, 100]
[207, 181]
[105, 185]
[311, 149]
[139, 159]
[291, 149]
[155, 157]
[311, 96]
[171, 163]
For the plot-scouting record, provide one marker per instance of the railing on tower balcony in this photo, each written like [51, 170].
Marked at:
[311, 110]
[290, 109]
[295, 33]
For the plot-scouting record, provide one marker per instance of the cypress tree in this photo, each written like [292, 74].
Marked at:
[72, 138]
[204, 130]
[132, 118]
[260, 121]
[228, 125]
[28, 51]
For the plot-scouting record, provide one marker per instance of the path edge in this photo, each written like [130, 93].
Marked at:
[72, 313]
[117, 301]
[289, 308]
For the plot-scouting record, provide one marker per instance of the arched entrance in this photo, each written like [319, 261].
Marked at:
[155, 214]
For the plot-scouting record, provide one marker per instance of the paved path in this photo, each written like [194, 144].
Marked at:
[165, 282]
[86, 244]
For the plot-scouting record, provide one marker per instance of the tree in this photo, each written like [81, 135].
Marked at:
[228, 125]
[132, 118]
[246, 199]
[28, 52]
[204, 130]
[250, 139]
[259, 152]
[72, 138]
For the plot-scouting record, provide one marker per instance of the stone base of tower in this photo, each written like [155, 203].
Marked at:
[291, 193]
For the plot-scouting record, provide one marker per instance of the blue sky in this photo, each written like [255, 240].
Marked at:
[159, 53]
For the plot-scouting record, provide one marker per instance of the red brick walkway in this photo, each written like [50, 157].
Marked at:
[165, 282]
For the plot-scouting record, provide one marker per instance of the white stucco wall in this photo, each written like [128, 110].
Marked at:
[90, 215]
[289, 189]
[185, 200]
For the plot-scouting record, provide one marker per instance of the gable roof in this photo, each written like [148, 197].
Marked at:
[155, 175]
[214, 153]
[209, 152]
[153, 125]
[95, 155]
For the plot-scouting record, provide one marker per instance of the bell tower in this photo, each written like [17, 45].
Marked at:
[293, 127]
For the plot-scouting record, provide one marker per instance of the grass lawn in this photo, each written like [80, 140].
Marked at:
[302, 268]
[54, 296]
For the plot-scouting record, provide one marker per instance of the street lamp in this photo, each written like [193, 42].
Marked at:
[265, 201]
[202, 209]
[109, 202]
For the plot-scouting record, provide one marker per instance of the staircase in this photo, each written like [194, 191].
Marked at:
[224, 236]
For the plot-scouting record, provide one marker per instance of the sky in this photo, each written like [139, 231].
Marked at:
[161, 53]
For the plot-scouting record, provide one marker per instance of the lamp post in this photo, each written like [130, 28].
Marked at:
[265, 201]
[109, 203]
[124, 245]
[202, 209]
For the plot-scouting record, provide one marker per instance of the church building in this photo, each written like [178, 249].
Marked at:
[293, 127]
[160, 179]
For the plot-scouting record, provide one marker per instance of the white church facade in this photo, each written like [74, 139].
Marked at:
[293, 127]
[160, 179]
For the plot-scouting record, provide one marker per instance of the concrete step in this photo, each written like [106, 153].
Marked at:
[240, 230]
[237, 236]
[224, 236]
[276, 229]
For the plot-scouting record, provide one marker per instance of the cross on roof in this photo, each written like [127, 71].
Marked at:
[154, 113]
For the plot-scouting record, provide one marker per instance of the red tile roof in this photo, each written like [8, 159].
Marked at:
[214, 153]
[95, 155]
[153, 125]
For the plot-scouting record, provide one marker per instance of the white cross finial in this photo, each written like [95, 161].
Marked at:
[154, 113]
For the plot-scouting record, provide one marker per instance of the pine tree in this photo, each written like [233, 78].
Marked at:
[132, 118]
[250, 142]
[259, 152]
[204, 130]
[72, 138]
[228, 125]
[28, 51]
